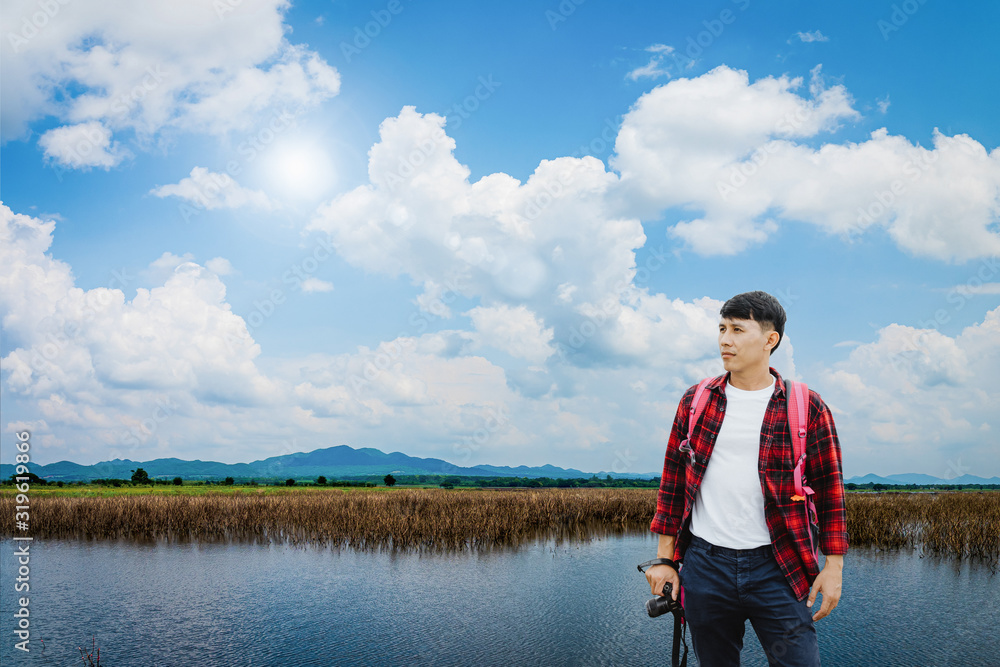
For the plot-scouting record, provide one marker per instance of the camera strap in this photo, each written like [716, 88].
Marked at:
[659, 561]
[675, 649]
[680, 625]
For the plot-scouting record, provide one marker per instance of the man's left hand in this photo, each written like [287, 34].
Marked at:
[828, 584]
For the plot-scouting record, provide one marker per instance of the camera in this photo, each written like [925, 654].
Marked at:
[663, 604]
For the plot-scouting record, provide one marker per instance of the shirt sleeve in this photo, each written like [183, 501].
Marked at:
[670, 499]
[825, 476]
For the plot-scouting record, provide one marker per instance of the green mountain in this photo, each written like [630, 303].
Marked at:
[341, 462]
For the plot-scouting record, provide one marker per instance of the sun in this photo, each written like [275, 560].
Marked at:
[299, 170]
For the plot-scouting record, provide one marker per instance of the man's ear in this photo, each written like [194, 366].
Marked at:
[772, 339]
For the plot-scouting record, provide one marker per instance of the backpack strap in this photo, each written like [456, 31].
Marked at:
[698, 404]
[797, 398]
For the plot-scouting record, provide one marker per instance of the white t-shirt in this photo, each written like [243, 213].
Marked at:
[729, 507]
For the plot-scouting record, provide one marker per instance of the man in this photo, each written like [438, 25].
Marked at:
[729, 511]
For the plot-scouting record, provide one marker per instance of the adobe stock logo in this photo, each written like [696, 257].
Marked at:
[31, 24]
[363, 35]
[899, 17]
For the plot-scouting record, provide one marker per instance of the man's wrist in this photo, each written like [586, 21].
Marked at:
[659, 561]
[834, 561]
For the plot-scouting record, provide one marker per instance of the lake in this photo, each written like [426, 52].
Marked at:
[576, 603]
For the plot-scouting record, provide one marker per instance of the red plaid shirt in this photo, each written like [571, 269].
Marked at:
[786, 519]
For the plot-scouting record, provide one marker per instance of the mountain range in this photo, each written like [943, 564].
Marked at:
[343, 462]
[918, 478]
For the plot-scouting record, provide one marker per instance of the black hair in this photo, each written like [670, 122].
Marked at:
[760, 307]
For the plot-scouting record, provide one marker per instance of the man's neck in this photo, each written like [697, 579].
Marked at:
[752, 380]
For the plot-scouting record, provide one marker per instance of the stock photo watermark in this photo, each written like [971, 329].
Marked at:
[594, 148]
[597, 318]
[31, 24]
[695, 46]
[22, 540]
[126, 102]
[408, 165]
[563, 11]
[363, 35]
[741, 174]
[144, 429]
[496, 420]
[899, 16]
[914, 347]
[97, 301]
[389, 354]
[624, 459]
[248, 150]
[85, 145]
[297, 274]
[486, 86]
[883, 200]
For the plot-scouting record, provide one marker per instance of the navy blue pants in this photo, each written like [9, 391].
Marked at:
[725, 587]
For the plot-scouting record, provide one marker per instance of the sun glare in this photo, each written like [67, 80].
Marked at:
[298, 170]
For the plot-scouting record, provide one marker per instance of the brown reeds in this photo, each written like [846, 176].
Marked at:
[959, 524]
[401, 519]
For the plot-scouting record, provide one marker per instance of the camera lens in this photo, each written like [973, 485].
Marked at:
[659, 606]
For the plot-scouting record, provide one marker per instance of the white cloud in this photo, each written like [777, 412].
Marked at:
[186, 65]
[917, 395]
[168, 261]
[504, 242]
[209, 190]
[140, 378]
[651, 70]
[679, 138]
[161, 268]
[82, 146]
[316, 285]
[89, 358]
[516, 331]
[553, 266]
[729, 148]
[812, 36]
[220, 266]
[654, 68]
[33, 427]
[975, 288]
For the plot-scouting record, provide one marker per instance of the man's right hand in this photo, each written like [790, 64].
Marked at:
[660, 575]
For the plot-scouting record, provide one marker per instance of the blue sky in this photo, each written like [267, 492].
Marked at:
[492, 233]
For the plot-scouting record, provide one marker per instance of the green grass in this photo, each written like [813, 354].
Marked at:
[98, 491]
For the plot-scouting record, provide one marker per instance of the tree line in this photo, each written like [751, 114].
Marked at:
[141, 478]
[873, 486]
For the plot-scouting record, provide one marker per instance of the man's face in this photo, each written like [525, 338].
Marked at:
[744, 345]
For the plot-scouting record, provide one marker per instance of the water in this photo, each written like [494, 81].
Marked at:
[545, 604]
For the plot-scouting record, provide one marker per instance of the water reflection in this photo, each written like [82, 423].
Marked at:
[558, 601]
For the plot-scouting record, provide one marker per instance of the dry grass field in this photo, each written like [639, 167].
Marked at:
[958, 524]
[434, 519]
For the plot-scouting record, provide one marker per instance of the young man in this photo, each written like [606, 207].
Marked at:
[729, 510]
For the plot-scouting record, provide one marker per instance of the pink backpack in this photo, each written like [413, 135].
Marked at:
[797, 398]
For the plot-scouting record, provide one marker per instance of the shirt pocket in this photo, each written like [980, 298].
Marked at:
[778, 469]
